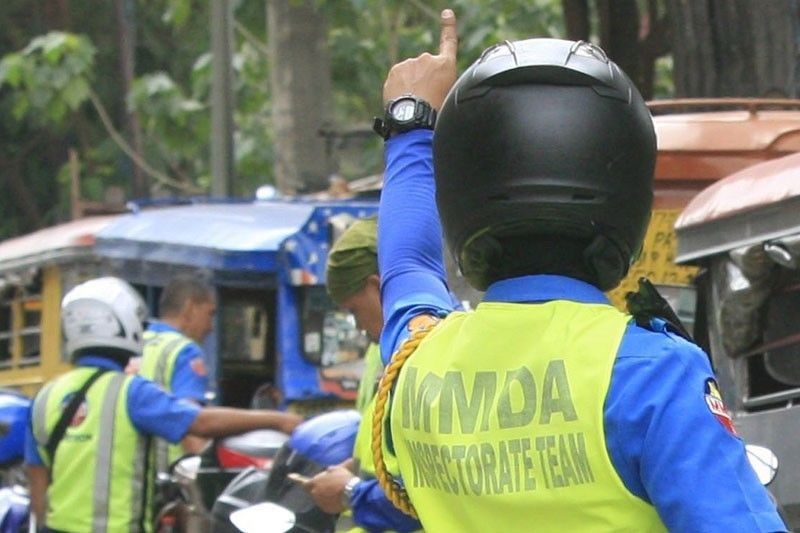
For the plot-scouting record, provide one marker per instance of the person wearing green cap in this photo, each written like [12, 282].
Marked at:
[353, 283]
[352, 275]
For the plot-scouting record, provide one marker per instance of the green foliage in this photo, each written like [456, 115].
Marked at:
[50, 77]
[664, 85]
[177, 12]
[390, 30]
[176, 126]
[45, 81]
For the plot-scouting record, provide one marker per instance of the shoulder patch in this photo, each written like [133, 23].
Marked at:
[198, 366]
[717, 407]
[422, 322]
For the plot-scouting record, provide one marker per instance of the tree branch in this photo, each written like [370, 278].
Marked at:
[250, 38]
[130, 152]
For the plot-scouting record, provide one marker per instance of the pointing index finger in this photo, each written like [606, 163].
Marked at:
[448, 40]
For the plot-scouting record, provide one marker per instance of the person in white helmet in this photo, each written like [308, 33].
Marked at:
[86, 449]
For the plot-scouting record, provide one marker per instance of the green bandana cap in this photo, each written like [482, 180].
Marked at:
[352, 259]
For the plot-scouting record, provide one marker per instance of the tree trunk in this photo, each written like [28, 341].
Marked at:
[734, 47]
[222, 99]
[18, 189]
[126, 36]
[576, 19]
[633, 34]
[300, 80]
[619, 34]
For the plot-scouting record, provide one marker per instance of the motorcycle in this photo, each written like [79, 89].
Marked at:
[280, 516]
[272, 499]
[186, 495]
[14, 499]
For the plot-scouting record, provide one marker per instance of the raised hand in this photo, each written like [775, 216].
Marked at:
[427, 76]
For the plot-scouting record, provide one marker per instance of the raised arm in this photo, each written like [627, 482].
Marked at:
[413, 279]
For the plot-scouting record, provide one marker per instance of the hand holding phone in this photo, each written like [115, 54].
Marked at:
[298, 478]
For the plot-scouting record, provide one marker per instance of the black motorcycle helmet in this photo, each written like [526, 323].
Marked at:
[544, 154]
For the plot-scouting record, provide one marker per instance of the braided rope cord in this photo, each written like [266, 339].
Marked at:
[391, 487]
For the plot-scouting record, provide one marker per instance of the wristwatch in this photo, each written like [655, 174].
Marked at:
[347, 493]
[406, 113]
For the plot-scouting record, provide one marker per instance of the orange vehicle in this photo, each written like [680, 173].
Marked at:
[699, 142]
[745, 232]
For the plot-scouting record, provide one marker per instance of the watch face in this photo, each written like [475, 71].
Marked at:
[403, 110]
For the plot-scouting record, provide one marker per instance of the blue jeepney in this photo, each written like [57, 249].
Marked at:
[266, 259]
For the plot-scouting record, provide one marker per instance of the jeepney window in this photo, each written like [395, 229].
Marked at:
[781, 334]
[77, 273]
[756, 305]
[20, 323]
[6, 333]
[243, 331]
[30, 331]
[330, 335]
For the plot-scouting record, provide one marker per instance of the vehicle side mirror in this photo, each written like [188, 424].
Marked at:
[187, 467]
[764, 463]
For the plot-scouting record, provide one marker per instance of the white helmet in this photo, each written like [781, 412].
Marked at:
[103, 313]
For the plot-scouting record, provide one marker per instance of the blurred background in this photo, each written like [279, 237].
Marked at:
[102, 102]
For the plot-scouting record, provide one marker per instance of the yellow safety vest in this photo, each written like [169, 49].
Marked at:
[373, 366]
[98, 476]
[362, 449]
[497, 422]
[159, 355]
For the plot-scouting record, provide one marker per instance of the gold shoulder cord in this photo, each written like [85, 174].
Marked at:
[393, 490]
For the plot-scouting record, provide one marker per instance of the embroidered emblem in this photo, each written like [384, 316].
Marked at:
[421, 322]
[198, 366]
[717, 407]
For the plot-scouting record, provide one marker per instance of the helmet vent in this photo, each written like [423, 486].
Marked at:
[508, 44]
[587, 49]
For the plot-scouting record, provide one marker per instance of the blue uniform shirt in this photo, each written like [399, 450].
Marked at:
[187, 382]
[666, 445]
[151, 410]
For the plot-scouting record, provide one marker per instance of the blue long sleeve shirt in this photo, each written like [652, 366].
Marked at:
[667, 446]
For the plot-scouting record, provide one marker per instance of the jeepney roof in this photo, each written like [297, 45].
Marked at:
[52, 245]
[232, 236]
[704, 139]
[755, 204]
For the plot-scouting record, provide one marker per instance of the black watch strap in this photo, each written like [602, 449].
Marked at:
[424, 117]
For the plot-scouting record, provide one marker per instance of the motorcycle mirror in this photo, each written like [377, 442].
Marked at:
[266, 517]
[187, 467]
[764, 463]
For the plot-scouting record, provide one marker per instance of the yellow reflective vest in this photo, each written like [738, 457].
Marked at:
[98, 475]
[159, 355]
[373, 366]
[362, 448]
[497, 422]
